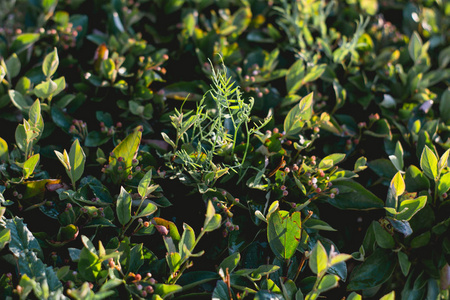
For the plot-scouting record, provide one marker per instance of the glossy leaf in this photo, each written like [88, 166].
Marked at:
[404, 262]
[383, 238]
[230, 262]
[123, 207]
[187, 241]
[149, 209]
[318, 259]
[45, 89]
[18, 100]
[429, 163]
[13, 65]
[127, 150]
[328, 282]
[444, 184]
[144, 188]
[352, 195]
[375, 270]
[77, 159]
[212, 220]
[50, 64]
[21, 237]
[5, 237]
[298, 115]
[30, 165]
[408, 208]
[294, 77]
[284, 233]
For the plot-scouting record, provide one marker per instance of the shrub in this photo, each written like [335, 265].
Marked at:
[283, 132]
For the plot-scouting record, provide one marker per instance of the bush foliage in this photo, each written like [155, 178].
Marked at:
[240, 149]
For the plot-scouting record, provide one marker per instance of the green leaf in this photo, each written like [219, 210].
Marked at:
[108, 69]
[136, 258]
[195, 278]
[383, 238]
[314, 73]
[144, 183]
[45, 89]
[352, 195]
[88, 244]
[429, 163]
[444, 184]
[360, 164]
[127, 149]
[396, 189]
[4, 154]
[354, 296]
[231, 262]
[5, 237]
[18, 100]
[187, 240]
[408, 208]
[317, 225]
[415, 180]
[284, 233]
[50, 64]
[318, 259]
[149, 209]
[89, 266]
[444, 105]
[21, 137]
[77, 159]
[123, 207]
[289, 289]
[64, 159]
[23, 41]
[415, 47]
[298, 115]
[294, 77]
[60, 85]
[167, 139]
[30, 265]
[13, 65]
[375, 270]
[335, 158]
[164, 290]
[212, 220]
[443, 161]
[2, 73]
[390, 296]
[213, 224]
[30, 165]
[21, 237]
[35, 117]
[221, 291]
[404, 262]
[421, 240]
[397, 159]
[328, 282]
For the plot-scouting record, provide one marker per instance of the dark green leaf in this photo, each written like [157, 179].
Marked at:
[21, 237]
[375, 270]
[194, 278]
[230, 262]
[352, 195]
[23, 41]
[383, 238]
[123, 208]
